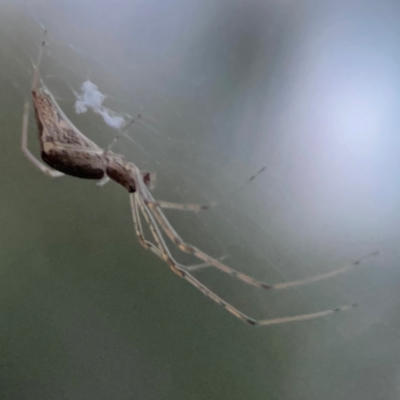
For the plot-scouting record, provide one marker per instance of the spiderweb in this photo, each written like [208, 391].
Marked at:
[207, 125]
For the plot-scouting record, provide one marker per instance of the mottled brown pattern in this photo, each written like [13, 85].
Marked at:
[57, 126]
[54, 127]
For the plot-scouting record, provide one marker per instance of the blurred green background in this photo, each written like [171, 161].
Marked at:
[309, 89]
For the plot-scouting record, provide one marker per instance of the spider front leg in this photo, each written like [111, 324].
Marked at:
[139, 229]
[135, 202]
[24, 147]
[181, 271]
[212, 262]
[199, 207]
[154, 207]
[178, 206]
[166, 255]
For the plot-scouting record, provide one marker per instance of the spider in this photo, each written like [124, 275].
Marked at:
[69, 152]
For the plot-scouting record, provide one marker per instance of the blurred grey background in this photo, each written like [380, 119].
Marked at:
[309, 89]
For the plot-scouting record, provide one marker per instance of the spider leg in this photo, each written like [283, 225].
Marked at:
[182, 207]
[202, 265]
[327, 275]
[139, 229]
[304, 317]
[188, 248]
[135, 201]
[201, 207]
[24, 147]
[36, 76]
[147, 244]
[183, 273]
[103, 181]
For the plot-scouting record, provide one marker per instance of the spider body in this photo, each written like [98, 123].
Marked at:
[68, 151]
